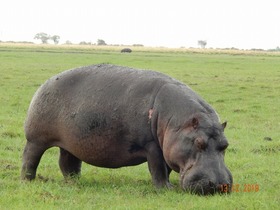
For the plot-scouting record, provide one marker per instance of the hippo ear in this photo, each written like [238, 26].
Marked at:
[195, 123]
[224, 125]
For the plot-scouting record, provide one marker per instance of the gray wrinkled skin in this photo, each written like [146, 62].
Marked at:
[112, 116]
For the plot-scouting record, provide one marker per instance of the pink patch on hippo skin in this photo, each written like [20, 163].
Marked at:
[150, 113]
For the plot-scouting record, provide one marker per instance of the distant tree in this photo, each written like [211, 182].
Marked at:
[85, 43]
[68, 42]
[101, 42]
[202, 43]
[276, 49]
[55, 39]
[43, 37]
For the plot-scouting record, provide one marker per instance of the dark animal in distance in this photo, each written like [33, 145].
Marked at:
[126, 50]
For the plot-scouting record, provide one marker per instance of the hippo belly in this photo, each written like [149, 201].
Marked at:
[95, 114]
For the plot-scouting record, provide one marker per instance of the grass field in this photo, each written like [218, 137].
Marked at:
[243, 87]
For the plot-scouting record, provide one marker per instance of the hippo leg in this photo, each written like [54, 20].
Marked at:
[169, 170]
[69, 164]
[157, 166]
[31, 158]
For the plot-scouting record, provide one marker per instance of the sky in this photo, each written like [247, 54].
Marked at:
[243, 24]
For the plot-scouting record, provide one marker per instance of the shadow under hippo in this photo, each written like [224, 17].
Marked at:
[112, 116]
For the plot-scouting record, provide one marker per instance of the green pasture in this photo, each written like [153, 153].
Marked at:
[244, 88]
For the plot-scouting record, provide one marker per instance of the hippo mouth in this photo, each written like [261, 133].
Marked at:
[184, 173]
[199, 184]
[201, 188]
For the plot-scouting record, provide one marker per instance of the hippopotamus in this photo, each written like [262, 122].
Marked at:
[113, 116]
[126, 50]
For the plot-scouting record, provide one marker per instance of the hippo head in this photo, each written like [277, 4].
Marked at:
[196, 150]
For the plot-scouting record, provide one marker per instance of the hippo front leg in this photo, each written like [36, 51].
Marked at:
[157, 166]
[70, 166]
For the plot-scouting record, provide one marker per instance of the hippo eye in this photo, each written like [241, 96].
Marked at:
[200, 143]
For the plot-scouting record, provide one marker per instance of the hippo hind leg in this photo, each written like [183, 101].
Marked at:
[70, 165]
[31, 158]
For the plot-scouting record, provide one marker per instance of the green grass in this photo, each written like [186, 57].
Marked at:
[243, 87]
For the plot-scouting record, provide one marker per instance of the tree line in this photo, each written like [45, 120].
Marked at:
[44, 37]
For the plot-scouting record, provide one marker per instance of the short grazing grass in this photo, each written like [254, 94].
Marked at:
[243, 87]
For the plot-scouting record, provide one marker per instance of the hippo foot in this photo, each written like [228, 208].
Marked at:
[169, 186]
[28, 176]
[161, 185]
